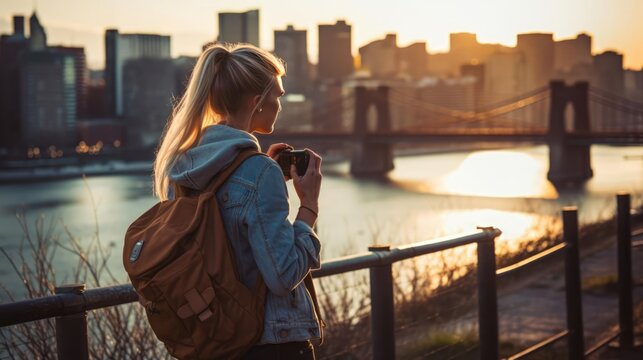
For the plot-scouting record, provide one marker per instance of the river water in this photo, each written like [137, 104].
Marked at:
[426, 196]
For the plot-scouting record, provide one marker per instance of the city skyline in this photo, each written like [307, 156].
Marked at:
[612, 28]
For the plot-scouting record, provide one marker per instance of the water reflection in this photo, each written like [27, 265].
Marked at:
[516, 226]
[499, 174]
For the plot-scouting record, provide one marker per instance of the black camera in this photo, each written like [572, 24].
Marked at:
[299, 158]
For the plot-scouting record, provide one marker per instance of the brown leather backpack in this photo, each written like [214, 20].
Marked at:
[179, 259]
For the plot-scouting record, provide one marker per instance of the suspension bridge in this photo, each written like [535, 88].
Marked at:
[568, 118]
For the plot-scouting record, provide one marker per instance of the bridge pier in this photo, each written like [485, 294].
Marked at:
[368, 158]
[569, 162]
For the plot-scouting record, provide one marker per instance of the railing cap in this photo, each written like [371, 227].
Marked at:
[70, 289]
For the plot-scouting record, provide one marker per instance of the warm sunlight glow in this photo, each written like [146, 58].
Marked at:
[515, 226]
[498, 174]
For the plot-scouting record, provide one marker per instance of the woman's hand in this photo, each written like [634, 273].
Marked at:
[275, 149]
[307, 187]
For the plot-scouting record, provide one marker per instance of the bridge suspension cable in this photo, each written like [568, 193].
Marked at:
[614, 101]
[466, 116]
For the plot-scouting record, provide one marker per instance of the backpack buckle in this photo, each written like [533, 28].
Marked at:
[198, 304]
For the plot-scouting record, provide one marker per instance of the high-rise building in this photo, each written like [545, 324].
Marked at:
[47, 83]
[11, 49]
[380, 57]
[19, 25]
[475, 71]
[608, 72]
[335, 58]
[633, 81]
[464, 49]
[292, 46]
[413, 60]
[119, 48]
[383, 59]
[503, 76]
[37, 34]
[239, 27]
[538, 51]
[463, 42]
[82, 74]
[148, 86]
[571, 52]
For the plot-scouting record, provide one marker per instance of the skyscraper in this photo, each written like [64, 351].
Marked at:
[19, 25]
[463, 42]
[81, 72]
[335, 58]
[380, 57]
[37, 34]
[119, 48]
[239, 27]
[571, 52]
[47, 84]
[11, 49]
[148, 84]
[413, 60]
[608, 72]
[292, 46]
[503, 75]
[538, 51]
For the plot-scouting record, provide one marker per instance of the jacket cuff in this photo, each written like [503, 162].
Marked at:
[307, 238]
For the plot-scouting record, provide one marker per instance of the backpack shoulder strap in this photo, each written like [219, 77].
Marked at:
[220, 178]
[308, 281]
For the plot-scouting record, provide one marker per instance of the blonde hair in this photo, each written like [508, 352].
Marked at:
[223, 76]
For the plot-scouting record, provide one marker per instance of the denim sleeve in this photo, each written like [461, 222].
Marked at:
[284, 252]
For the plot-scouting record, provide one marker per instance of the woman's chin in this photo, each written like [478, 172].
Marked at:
[264, 131]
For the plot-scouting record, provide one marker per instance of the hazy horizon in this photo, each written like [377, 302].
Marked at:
[612, 28]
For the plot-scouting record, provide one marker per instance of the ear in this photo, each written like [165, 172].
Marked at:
[255, 101]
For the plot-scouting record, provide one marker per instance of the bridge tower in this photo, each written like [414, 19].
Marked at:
[569, 162]
[368, 158]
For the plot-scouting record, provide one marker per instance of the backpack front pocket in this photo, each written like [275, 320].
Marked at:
[187, 292]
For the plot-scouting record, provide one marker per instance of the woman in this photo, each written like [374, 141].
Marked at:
[233, 92]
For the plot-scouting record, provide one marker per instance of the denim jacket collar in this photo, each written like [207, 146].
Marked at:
[218, 147]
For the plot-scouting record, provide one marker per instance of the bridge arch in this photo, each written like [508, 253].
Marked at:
[370, 158]
[569, 161]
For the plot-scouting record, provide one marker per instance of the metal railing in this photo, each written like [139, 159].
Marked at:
[573, 296]
[71, 302]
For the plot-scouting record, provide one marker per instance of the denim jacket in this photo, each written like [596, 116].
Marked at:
[254, 206]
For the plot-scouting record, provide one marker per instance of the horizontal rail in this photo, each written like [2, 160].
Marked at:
[541, 345]
[601, 344]
[545, 254]
[67, 304]
[370, 259]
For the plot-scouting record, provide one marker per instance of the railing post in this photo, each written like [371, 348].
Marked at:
[573, 284]
[382, 310]
[625, 311]
[71, 330]
[487, 300]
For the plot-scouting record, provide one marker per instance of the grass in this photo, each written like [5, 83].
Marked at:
[600, 285]
[119, 332]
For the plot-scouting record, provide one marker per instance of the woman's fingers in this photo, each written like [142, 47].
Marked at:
[275, 149]
[314, 163]
[293, 173]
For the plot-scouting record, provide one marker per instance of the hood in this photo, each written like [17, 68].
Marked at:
[219, 146]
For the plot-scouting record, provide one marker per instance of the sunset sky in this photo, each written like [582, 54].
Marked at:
[614, 24]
